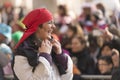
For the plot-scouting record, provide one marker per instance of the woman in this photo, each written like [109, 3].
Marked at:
[69, 34]
[38, 57]
[62, 17]
[81, 58]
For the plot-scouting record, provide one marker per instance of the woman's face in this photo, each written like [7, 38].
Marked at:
[106, 51]
[60, 11]
[104, 66]
[76, 45]
[46, 30]
[69, 33]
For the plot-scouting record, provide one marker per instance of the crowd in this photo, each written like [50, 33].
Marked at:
[92, 38]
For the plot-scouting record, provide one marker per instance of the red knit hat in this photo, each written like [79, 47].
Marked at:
[33, 20]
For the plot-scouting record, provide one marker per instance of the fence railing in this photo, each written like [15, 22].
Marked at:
[86, 77]
[96, 77]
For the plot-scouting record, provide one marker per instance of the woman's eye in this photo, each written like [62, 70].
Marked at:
[51, 22]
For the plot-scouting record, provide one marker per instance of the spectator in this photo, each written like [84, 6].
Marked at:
[5, 34]
[85, 15]
[114, 39]
[63, 17]
[5, 37]
[93, 47]
[106, 49]
[101, 7]
[7, 13]
[105, 65]
[3, 62]
[84, 62]
[73, 30]
[21, 14]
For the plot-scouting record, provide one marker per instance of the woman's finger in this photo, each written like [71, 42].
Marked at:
[43, 43]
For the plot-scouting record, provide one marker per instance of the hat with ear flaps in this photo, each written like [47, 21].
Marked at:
[33, 20]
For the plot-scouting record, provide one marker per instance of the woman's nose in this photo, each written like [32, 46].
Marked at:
[53, 26]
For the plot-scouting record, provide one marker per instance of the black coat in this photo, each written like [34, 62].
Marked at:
[85, 63]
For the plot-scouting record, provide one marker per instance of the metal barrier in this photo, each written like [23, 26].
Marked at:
[9, 77]
[96, 77]
[86, 77]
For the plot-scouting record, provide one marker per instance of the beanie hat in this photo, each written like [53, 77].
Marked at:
[6, 31]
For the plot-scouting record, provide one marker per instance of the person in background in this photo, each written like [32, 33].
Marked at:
[3, 62]
[85, 15]
[108, 50]
[105, 65]
[73, 30]
[7, 13]
[5, 38]
[40, 55]
[62, 19]
[83, 63]
[21, 13]
[101, 7]
[95, 48]
[63, 16]
[113, 38]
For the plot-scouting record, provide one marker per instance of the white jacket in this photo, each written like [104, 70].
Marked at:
[44, 71]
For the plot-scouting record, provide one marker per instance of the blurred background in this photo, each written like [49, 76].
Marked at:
[88, 30]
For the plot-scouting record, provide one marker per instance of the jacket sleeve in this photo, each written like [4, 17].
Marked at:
[116, 43]
[24, 71]
[69, 70]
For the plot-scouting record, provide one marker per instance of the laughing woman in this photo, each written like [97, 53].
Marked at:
[37, 55]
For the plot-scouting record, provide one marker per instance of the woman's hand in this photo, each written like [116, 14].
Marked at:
[115, 57]
[46, 47]
[57, 47]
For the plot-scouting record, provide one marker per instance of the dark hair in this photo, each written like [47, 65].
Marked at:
[81, 39]
[92, 40]
[64, 9]
[108, 59]
[29, 50]
[73, 28]
[76, 28]
[101, 7]
[109, 44]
